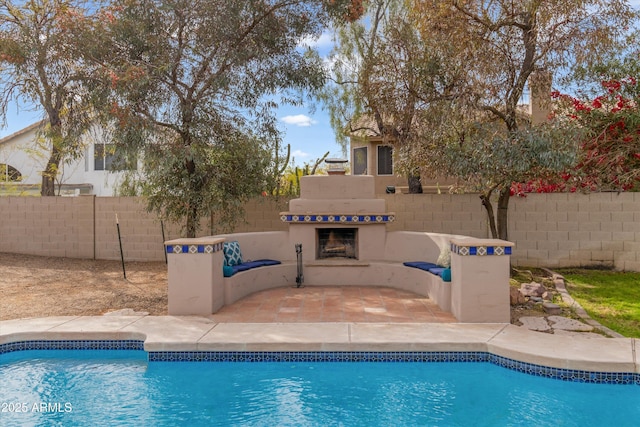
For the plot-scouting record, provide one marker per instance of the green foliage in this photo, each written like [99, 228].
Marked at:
[213, 186]
[290, 180]
[491, 158]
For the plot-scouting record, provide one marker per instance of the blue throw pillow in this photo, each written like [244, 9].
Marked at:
[446, 275]
[232, 253]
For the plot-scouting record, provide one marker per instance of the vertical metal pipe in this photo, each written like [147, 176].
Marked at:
[300, 276]
[124, 272]
[164, 251]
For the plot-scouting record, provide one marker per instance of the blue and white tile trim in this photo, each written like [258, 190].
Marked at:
[72, 345]
[480, 250]
[194, 249]
[316, 356]
[338, 218]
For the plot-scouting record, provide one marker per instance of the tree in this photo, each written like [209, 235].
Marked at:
[38, 66]
[504, 45]
[384, 73]
[193, 86]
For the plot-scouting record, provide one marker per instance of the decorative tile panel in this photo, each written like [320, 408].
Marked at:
[338, 218]
[194, 249]
[480, 250]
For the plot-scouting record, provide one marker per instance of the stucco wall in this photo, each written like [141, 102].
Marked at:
[548, 229]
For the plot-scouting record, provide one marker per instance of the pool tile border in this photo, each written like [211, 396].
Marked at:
[72, 345]
[569, 375]
[318, 356]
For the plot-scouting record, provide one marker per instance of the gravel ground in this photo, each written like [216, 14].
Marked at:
[32, 286]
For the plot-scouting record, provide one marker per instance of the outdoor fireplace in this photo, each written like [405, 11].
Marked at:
[336, 243]
[338, 220]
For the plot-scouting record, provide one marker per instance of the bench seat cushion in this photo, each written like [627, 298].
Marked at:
[422, 265]
[248, 265]
[442, 272]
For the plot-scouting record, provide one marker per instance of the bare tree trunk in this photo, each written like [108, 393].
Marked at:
[503, 209]
[192, 220]
[48, 187]
[486, 202]
[192, 208]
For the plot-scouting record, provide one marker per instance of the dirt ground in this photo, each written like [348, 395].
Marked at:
[32, 286]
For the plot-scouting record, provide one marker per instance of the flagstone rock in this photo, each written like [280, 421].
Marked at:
[534, 323]
[566, 324]
[532, 289]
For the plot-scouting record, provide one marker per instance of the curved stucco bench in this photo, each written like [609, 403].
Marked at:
[258, 279]
[478, 291]
[261, 245]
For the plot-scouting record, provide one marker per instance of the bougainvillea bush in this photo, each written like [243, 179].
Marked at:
[609, 144]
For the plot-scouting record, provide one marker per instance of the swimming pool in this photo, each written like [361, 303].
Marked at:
[132, 387]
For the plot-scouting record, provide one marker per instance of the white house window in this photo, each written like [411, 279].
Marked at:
[385, 160]
[106, 157]
[360, 161]
[9, 174]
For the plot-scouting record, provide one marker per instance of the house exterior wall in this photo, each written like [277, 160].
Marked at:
[552, 230]
[396, 180]
[381, 181]
[22, 151]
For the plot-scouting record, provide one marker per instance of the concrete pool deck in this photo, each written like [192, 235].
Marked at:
[186, 333]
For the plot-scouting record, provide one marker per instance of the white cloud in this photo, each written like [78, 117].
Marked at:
[299, 153]
[299, 120]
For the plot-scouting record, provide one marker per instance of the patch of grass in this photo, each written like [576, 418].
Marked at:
[609, 297]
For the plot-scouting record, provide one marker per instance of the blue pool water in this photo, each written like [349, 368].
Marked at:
[107, 388]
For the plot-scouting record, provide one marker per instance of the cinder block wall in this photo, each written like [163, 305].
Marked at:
[438, 213]
[554, 230]
[561, 230]
[51, 226]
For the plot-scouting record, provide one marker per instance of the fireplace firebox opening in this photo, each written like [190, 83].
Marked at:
[337, 243]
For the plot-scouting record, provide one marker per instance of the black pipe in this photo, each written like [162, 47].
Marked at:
[124, 272]
[164, 250]
[300, 276]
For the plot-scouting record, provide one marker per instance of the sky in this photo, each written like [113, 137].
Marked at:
[307, 130]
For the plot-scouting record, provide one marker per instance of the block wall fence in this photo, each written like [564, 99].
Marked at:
[552, 230]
